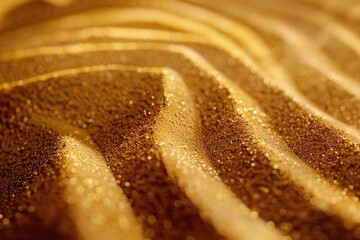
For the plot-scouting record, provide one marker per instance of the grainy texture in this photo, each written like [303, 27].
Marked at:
[179, 119]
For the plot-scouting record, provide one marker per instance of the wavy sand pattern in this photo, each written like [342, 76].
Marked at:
[189, 119]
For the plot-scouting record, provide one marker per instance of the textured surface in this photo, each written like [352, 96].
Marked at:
[197, 119]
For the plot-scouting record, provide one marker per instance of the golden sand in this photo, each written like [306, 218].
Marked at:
[194, 119]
